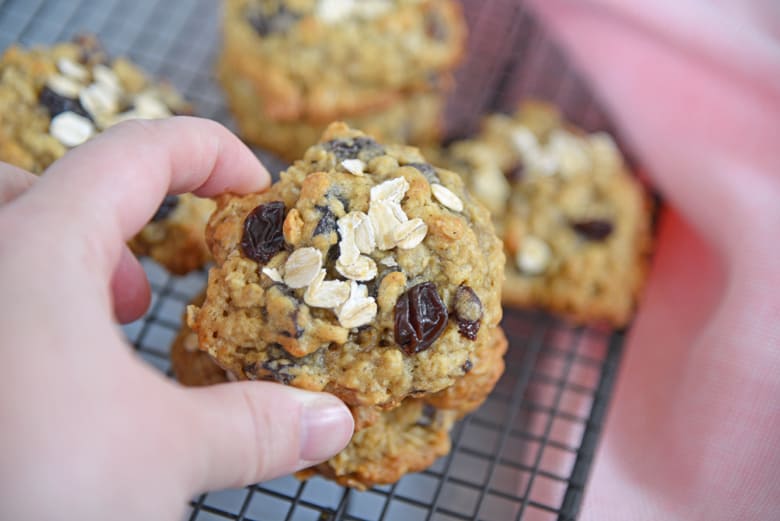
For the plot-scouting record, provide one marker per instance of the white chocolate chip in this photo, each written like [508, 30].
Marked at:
[334, 11]
[363, 268]
[64, 86]
[150, 106]
[302, 267]
[409, 234]
[392, 191]
[70, 129]
[354, 166]
[445, 196]
[73, 70]
[534, 256]
[388, 261]
[536, 159]
[108, 78]
[492, 188]
[273, 274]
[525, 141]
[326, 294]
[99, 100]
[385, 218]
[359, 309]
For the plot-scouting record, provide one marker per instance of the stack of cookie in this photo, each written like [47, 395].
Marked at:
[365, 272]
[575, 223]
[290, 67]
[53, 99]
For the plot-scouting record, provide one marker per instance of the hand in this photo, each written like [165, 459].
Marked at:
[88, 430]
[695, 89]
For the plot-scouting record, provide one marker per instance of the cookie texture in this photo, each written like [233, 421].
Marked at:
[406, 439]
[354, 274]
[416, 118]
[386, 444]
[575, 223]
[55, 98]
[191, 366]
[291, 67]
[320, 60]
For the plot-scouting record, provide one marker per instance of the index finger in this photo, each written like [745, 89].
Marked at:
[112, 185]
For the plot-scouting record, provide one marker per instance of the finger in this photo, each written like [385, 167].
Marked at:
[254, 431]
[101, 193]
[13, 182]
[130, 288]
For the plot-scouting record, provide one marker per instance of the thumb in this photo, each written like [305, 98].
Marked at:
[248, 432]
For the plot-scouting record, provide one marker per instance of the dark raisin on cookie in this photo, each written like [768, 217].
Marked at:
[516, 173]
[327, 222]
[467, 366]
[57, 104]
[436, 27]
[360, 147]
[263, 237]
[427, 416]
[468, 312]
[593, 229]
[426, 170]
[277, 22]
[167, 207]
[420, 318]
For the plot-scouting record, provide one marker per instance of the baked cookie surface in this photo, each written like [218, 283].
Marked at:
[55, 98]
[575, 223]
[320, 60]
[365, 272]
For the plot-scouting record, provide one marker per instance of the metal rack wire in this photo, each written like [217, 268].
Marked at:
[527, 452]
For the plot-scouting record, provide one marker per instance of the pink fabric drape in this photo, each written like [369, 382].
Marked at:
[694, 87]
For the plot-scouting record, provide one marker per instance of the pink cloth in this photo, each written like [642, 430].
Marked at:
[694, 428]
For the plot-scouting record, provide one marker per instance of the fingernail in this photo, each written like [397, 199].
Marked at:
[326, 428]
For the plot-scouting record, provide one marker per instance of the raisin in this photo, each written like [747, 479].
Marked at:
[263, 237]
[280, 369]
[278, 22]
[467, 366]
[593, 229]
[363, 148]
[420, 318]
[426, 170]
[468, 312]
[427, 416]
[516, 173]
[57, 104]
[435, 27]
[327, 222]
[168, 205]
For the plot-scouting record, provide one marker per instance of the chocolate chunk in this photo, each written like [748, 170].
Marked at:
[167, 207]
[426, 170]
[57, 104]
[363, 148]
[263, 237]
[468, 312]
[420, 318]
[327, 222]
[277, 22]
[593, 229]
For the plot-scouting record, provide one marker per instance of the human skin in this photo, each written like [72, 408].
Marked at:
[88, 429]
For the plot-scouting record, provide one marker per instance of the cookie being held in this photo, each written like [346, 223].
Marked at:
[349, 275]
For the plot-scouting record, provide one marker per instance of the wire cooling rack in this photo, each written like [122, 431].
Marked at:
[526, 454]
